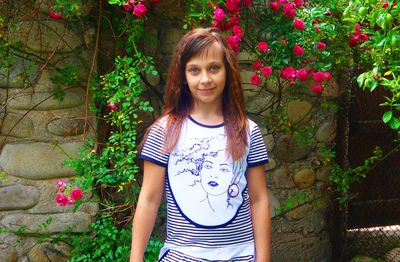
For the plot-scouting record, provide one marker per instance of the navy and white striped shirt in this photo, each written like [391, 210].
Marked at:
[207, 198]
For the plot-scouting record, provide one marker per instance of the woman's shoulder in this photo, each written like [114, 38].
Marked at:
[252, 125]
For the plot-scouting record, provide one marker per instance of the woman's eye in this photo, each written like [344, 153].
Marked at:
[214, 68]
[193, 70]
[224, 170]
[208, 166]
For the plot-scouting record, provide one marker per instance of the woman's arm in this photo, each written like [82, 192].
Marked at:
[260, 214]
[147, 208]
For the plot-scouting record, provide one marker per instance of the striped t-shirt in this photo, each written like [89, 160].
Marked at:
[208, 208]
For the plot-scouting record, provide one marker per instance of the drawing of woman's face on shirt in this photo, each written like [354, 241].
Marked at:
[215, 175]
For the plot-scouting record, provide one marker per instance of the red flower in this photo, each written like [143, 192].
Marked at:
[76, 194]
[328, 13]
[283, 42]
[61, 200]
[247, 2]
[219, 15]
[297, 3]
[281, 1]
[385, 4]
[298, 50]
[316, 29]
[319, 77]
[255, 80]
[288, 73]
[267, 71]
[233, 6]
[290, 13]
[289, 10]
[139, 10]
[262, 46]
[55, 15]
[317, 89]
[237, 31]
[298, 24]
[328, 76]
[292, 82]
[127, 6]
[256, 64]
[233, 42]
[112, 106]
[316, 21]
[274, 6]
[302, 74]
[321, 46]
[353, 41]
[364, 37]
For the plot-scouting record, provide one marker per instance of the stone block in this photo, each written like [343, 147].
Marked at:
[17, 125]
[37, 160]
[273, 203]
[66, 127]
[299, 112]
[18, 197]
[393, 255]
[20, 68]
[79, 222]
[45, 36]
[281, 178]
[271, 164]
[48, 252]
[324, 173]
[289, 150]
[8, 252]
[326, 132]
[299, 212]
[27, 99]
[304, 178]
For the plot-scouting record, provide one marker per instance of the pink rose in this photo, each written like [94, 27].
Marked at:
[292, 83]
[247, 2]
[297, 3]
[237, 31]
[321, 46]
[364, 37]
[219, 15]
[328, 76]
[76, 194]
[266, 71]
[328, 13]
[281, 1]
[255, 80]
[299, 24]
[61, 183]
[112, 106]
[274, 6]
[61, 200]
[132, 2]
[55, 15]
[233, 42]
[385, 4]
[302, 74]
[353, 41]
[139, 10]
[256, 64]
[62, 190]
[290, 13]
[70, 202]
[233, 6]
[298, 50]
[263, 46]
[317, 89]
[127, 6]
[289, 10]
[319, 77]
[316, 21]
[288, 73]
[283, 42]
[316, 29]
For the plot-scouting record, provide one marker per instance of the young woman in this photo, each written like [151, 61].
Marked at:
[210, 159]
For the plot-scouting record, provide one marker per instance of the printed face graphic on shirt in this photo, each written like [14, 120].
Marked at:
[216, 175]
[206, 185]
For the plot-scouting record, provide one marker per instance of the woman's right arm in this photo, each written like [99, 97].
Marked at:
[147, 208]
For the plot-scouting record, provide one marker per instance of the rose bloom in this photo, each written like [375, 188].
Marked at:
[328, 13]
[233, 42]
[302, 74]
[299, 24]
[328, 76]
[237, 31]
[219, 15]
[317, 89]
[297, 3]
[76, 194]
[127, 6]
[55, 16]
[316, 29]
[267, 71]
[262, 46]
[353, 41]
[385, 4]
[364, 37]
[112, 106]
[319, 77]
[321, 46]
[316, 21]
[139, 10]
[256, 64]
[247, 2]
[292, 83]
[281, 1]
[290, 13]
[61, 200]
[274, 6]
[283, 42]
[288, 73]
[61, 183]
[289, 10]
[298, 50]
[233, 6]
[132, 2]
[255, 80]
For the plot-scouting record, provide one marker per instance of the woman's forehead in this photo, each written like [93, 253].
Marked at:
[212, 51]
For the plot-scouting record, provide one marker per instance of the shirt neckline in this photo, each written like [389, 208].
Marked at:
[204, 125]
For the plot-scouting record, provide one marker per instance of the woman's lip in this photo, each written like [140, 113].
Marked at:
[212, 183]
[207, 90]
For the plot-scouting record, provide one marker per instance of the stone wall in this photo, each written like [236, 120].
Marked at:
[34, 126]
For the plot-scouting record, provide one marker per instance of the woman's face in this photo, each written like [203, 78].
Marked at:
[215, 175]
[206, 76]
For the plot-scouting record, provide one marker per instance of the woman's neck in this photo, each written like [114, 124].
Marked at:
[208, 115]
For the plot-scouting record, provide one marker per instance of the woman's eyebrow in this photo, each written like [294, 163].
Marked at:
[223, 164]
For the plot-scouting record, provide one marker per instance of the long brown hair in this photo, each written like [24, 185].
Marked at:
[179, 101]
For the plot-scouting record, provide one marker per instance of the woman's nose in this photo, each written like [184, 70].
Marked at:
[205, 77]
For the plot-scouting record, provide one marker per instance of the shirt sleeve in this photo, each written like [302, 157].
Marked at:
[258, 153]
[154, 147]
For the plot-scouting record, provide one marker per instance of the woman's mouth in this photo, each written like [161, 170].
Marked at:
[212, 183]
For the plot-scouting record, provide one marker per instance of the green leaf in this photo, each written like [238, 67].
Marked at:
[360, 79]
[394, 123]
[387, 116]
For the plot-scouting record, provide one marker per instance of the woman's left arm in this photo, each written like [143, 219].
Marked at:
[260, 213]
